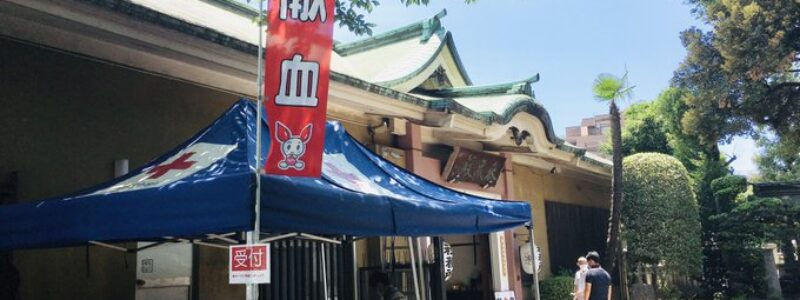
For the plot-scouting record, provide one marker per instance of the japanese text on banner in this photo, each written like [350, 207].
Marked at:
[249, 264]
[297, 68]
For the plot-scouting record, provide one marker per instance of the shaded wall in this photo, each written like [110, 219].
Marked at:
[538, 186]
[63, 122]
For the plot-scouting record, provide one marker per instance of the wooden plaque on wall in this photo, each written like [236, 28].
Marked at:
[467, 165]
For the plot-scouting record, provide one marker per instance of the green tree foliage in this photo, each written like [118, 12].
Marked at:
[725, 190]
[556, 288]
[709, 116]
[740, 228]
[664, 117]
[744, 72]
[740, 76]
[779, 159]
[761, 220]
[671, 107]
[642, 131]
[657, 126]
[662, 223]
[738, 266]
[743, 228]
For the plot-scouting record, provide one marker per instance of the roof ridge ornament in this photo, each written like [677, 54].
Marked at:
[522, 87]
[423, 30]
[432, 25]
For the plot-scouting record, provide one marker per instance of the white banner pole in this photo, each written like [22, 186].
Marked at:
[254, 237]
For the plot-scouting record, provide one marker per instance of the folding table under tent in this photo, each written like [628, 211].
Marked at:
[206, 187]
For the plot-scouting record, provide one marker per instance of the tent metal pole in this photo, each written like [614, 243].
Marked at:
[210, 245]
[324, 271]
[535, 285]
[279, 237]
[384, 242]
[421, 269]
[394, 254]
[101, 244]
[355, 268]
[319, 238]
[306, 236]
[222, 237]
[153, 245]
[253, 237]
[414, 268]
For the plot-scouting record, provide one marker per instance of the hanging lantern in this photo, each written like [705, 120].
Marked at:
[528, 258]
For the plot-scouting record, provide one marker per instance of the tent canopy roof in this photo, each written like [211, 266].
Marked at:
[206, 185]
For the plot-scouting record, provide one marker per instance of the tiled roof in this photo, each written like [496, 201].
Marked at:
[376, 64]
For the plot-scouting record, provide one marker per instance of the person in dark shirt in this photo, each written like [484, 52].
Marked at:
[598, 282]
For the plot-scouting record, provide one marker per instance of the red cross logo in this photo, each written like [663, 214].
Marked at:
[180, 163]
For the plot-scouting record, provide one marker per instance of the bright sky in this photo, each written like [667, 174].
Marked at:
[569, 42]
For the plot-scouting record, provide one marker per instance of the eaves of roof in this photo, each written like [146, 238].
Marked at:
[528, 105]
[531, 106]
[423, 30]
[148, 15]
[236, 6]
[519, 87]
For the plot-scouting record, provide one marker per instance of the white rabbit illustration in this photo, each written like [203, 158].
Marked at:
[292, 146]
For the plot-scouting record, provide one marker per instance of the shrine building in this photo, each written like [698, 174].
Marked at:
[89, 85]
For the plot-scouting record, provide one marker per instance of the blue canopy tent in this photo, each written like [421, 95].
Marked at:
[206, 186]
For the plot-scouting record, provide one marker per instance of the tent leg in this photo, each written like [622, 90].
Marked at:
[355, 268]
[394, 256]
[421, 269]
[384, 242]
[438, 291]
[414, 268]
[535, 285]
[324, 272]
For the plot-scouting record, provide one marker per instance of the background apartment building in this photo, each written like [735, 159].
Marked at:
[591, 133]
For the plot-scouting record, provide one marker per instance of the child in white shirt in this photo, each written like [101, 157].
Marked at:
[580, 279]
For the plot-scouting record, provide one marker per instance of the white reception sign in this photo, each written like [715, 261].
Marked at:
[249, 264]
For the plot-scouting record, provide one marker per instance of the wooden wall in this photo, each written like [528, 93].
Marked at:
[572, 231]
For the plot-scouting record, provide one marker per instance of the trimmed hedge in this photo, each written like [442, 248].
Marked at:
[726, 189]
[660, 214]
[556, 288]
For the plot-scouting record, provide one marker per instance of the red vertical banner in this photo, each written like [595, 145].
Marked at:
[297, 68]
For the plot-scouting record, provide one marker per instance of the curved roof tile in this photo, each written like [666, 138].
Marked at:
[490, 104]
